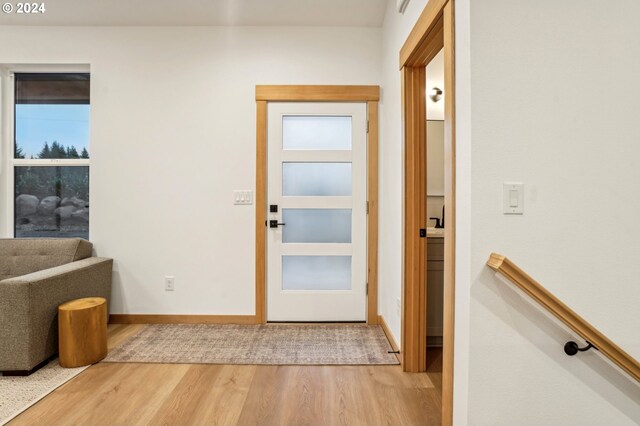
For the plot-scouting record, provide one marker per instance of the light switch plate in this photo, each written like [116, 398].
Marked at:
[242, 197]
[513, 198]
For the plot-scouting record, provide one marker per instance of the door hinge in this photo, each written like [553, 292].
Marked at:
[367, 289]
[367, 207]
[367, 126]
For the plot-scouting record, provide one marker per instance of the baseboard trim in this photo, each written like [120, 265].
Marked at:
[390, 338]
[434, 341]
[181, 319]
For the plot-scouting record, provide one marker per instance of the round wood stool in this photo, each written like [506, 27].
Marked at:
[82, 331]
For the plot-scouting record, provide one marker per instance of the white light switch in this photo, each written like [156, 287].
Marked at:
[242, 197]
[513, 198]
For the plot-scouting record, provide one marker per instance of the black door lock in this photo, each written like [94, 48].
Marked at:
[275, 224]
[423, 233]
[273, 208]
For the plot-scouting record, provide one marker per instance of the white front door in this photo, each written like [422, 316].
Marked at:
[316, 230]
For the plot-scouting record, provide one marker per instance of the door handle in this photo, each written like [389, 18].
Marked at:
[275, 224]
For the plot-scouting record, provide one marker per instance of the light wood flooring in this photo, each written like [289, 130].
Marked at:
[189, 394]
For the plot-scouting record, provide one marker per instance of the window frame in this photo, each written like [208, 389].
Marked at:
[10, 162]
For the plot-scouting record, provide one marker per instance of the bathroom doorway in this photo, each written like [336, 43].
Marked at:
[433, 33]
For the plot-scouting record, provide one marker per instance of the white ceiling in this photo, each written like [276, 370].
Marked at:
[361, 13]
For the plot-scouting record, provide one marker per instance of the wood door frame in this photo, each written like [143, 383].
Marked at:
[433, 31]
[314, 93]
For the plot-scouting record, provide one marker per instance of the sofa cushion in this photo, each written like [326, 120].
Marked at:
[21, 256]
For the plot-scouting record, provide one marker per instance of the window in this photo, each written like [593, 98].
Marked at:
[51, 155]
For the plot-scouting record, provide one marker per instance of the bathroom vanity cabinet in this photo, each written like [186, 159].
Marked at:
[435, 289]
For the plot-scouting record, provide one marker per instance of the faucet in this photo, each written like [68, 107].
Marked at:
[439, 223]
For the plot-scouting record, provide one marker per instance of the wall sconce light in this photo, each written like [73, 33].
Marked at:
[435, 94]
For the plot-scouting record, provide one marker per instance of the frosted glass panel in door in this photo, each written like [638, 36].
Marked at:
[316, 132]
[316, 179]
[316, 225]
[316, 272]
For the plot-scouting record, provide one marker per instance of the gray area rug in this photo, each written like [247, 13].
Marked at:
[270, 344]
[19, 393]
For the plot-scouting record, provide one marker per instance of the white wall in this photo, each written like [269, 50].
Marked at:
[395, 30]
[463, 210]
[555, 98]
[435, 78]
[173, 134]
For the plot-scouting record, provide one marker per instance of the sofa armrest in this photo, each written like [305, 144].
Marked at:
[58, 271]
[29, 308]
[14, 325]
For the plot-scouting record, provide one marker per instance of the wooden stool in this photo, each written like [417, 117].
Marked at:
[82, 331]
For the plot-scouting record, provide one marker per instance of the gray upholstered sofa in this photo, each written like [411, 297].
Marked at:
[37, 275]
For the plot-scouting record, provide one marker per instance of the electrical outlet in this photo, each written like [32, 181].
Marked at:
[398, 306]
[169, 283]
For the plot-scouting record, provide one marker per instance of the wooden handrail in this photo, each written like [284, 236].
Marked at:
[565, 314]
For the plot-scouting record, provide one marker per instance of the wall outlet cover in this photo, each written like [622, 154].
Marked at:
[169, 283]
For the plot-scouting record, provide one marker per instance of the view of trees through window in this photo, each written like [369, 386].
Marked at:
[56, 150]
[51, 125]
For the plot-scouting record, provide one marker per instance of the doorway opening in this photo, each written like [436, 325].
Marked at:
[433, 34]
[435, 210]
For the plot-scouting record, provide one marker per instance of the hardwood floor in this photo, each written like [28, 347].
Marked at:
[198, 394]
